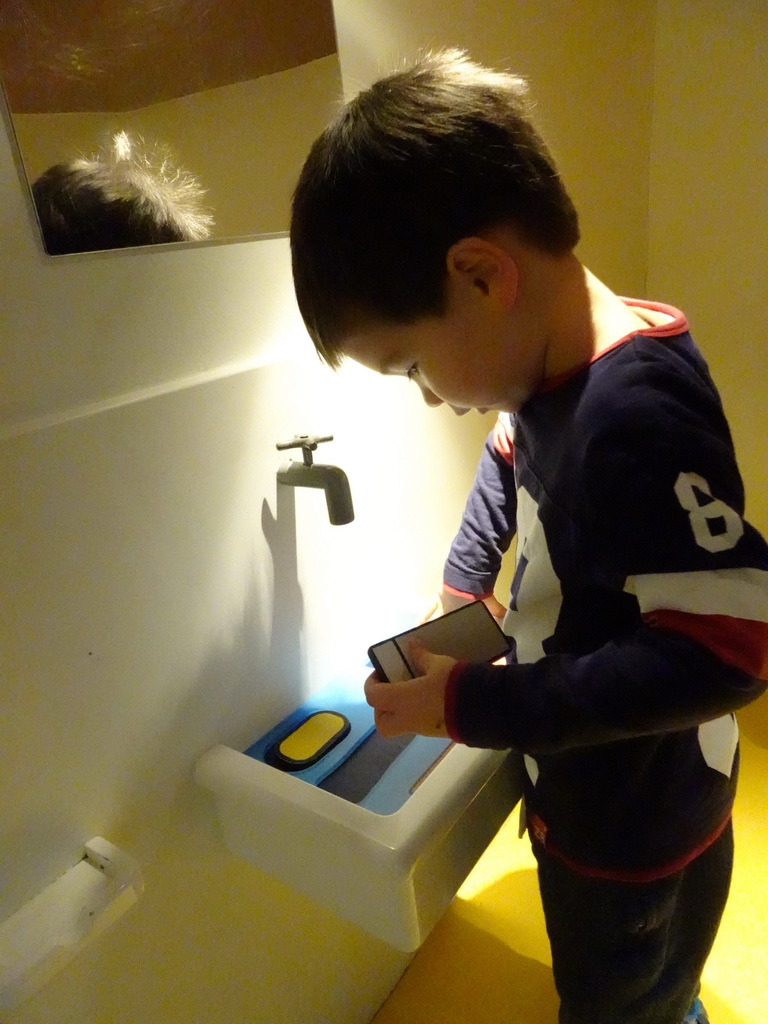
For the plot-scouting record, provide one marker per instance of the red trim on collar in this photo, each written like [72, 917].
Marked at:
[678, 325]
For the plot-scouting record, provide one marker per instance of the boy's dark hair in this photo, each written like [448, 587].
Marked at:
[119, 198]
[423, 158]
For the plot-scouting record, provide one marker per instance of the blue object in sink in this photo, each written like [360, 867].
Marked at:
[363, 767]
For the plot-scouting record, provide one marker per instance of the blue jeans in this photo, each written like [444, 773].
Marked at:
[633, 952]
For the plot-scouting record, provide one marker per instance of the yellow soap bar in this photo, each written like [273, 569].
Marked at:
[315, 735]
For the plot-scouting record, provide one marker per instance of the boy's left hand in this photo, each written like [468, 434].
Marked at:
[414, 705]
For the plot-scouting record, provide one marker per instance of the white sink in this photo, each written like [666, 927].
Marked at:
[392, 874]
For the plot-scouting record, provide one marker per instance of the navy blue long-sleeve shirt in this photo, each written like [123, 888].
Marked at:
[638, 608]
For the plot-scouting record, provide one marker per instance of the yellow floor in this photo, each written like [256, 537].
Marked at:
[487, 961]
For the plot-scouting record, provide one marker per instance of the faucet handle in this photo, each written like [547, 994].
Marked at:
[307, 443]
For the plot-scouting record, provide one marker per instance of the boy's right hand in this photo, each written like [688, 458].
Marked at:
[412, 705]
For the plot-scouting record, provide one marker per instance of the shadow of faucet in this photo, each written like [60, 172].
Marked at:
[308, 473]
[286, 666]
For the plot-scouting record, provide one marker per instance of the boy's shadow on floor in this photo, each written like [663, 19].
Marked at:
[465, 973]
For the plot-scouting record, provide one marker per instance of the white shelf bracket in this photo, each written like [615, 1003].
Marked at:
[50, 930]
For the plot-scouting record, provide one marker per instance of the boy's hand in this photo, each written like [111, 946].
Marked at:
[496, 608]
[441, 602]
[444, 601]
[414, 705]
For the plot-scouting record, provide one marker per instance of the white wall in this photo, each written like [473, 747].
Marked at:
[151, 605]
[158, 597]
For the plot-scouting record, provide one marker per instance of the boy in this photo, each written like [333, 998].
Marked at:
[432, 237]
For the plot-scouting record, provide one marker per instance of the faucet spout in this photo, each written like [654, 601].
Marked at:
[330, 479]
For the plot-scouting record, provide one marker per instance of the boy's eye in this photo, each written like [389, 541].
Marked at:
[411, 372]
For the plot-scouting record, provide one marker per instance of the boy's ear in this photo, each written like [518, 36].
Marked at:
[482, 264]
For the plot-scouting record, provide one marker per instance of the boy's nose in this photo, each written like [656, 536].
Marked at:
[430, 397]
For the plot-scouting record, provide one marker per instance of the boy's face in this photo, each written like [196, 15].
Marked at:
[422, 351]
[461, 358]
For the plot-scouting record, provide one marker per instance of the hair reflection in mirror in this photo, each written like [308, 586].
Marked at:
[122, 196]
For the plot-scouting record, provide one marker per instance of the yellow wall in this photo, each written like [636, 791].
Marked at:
[709, 204]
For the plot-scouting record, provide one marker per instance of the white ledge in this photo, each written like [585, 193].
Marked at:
[48, 931]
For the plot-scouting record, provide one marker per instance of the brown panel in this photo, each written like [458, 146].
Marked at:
[99, 55]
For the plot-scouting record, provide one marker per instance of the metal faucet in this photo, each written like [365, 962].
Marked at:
[313, 474]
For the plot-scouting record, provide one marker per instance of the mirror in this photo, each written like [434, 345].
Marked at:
[235, 91]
